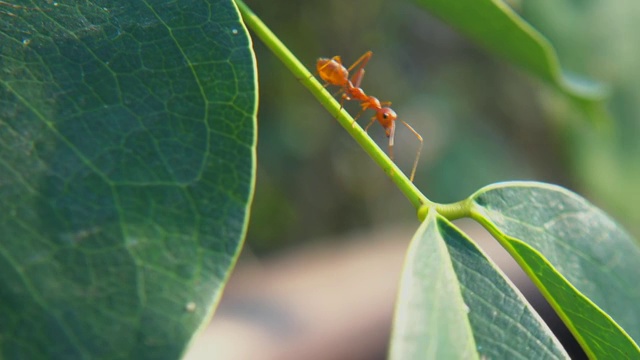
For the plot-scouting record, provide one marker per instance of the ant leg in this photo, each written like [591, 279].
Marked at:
[365, 106]
[335, 58]
[359, 74]
[386, 103]
[373, 119]
[342, 100]
[356, 79]
[415, 163]
[353, 123]
[364, 59]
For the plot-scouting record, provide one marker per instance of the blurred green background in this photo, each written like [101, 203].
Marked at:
[483, 120]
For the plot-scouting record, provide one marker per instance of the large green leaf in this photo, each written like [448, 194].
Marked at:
[455, 304]
[581, 260]
[497, 27]
[127, 135]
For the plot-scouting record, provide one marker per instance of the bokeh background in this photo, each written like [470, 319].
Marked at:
[483, 120]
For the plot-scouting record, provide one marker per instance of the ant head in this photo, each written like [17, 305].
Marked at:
[386, 116]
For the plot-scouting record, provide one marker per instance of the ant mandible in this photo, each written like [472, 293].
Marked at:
[334, 73]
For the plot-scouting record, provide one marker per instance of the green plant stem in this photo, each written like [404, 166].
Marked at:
[421, 203]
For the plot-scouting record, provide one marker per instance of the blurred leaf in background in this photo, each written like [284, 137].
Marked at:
[598, 38]
[480, 118]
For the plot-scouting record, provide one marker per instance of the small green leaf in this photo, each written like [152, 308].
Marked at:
[431, 319]
[494, 25]
[127, 139]
[581, 260]
[504, 324]
[453, 297]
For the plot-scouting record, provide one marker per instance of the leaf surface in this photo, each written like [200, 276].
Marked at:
[127, 136]
[583, 262]
[455, 303]
[496, 26]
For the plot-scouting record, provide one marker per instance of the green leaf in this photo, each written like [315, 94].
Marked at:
[581, 260]
[454, 303]
[494, 25]
[431, 319]
[127, 140]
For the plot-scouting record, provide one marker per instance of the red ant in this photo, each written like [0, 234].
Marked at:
[334, 73]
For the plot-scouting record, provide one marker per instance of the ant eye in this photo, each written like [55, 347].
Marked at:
[385, 115]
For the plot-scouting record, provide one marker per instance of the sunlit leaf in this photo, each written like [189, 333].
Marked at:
[431, 319]
[582, 260]
[455, 304]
